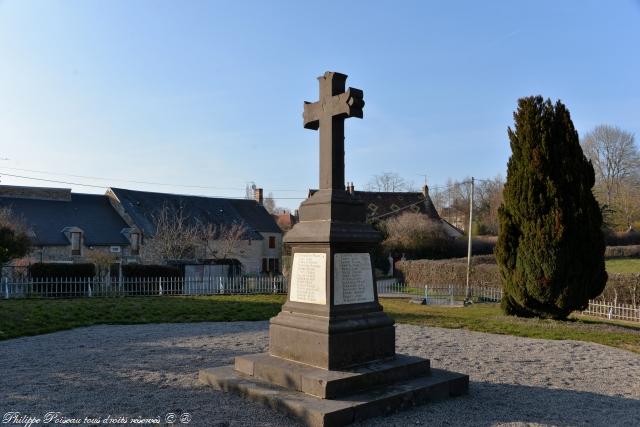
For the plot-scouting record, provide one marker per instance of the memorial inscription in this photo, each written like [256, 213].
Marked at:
[308, 277]
[353, 282]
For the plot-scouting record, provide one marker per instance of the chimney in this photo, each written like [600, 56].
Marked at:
[257, 195]
[425, 191]
[350, 187]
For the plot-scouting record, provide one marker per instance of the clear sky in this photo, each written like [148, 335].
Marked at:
[209, 93]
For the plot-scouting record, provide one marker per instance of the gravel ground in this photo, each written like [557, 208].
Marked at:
[151, 370]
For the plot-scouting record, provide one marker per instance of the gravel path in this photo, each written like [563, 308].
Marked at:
[150, 370]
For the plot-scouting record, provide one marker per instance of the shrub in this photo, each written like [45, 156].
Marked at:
[53, 271]
[14, 237]
[416, 235]
[550, 250]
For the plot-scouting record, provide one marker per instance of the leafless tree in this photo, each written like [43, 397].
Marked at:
[387, 181]
[174, 238]
[222, 241]
[627, 203]
[452, 203]
[413, 233]
[614, 156]
[269, 203]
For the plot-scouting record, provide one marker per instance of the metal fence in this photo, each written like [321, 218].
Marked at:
[147, 286]
[438, 294]
[140, 286]
[613, 311]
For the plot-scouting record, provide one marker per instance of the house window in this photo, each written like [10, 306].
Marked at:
[76, 238]
[265, 265]
[272, 242]
[135, 243]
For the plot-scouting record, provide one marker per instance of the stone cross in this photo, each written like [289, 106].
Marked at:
[328, 115]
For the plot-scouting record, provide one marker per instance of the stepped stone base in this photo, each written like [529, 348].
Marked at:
[320, 397]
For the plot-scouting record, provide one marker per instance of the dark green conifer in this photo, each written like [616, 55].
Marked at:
[550, 249]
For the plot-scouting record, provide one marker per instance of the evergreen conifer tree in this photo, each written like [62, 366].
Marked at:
[550, 249]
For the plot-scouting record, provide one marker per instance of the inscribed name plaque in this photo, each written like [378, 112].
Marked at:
[352, 280]
[308, 278]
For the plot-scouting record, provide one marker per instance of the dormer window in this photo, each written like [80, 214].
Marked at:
[76, 241]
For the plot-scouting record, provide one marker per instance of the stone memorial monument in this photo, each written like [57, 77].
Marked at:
[332, 358]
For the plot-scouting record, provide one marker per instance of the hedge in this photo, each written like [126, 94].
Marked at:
[448, 272]
[51, 270]
[143, 270]
[626, 238]
[622, 251]
[620, 287]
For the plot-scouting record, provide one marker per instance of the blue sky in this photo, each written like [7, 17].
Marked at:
[210, 93]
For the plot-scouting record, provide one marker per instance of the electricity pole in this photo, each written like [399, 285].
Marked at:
[467, 299]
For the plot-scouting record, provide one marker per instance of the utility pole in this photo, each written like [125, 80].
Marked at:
[467, 299]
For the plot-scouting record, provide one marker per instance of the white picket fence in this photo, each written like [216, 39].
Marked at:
[612, 311]
[140, 286]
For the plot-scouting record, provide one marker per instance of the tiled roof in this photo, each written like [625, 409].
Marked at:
[92, 213]
[141, 206]
[384, 205]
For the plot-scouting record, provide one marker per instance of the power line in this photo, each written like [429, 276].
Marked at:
[206, 187]
[106, 186]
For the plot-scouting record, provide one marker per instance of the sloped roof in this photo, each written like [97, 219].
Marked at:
[385, 205]
[92, 213]
[142, 206]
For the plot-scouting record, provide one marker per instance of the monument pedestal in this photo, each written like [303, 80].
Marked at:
[322, 398]
[332, 357]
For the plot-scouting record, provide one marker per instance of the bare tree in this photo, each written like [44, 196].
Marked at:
[614, 156]
[414, 233]
[387, 181]
[269, 203]
[487, 201]
[223, 241]
[627, 203]
[174, 237]
[452, 203]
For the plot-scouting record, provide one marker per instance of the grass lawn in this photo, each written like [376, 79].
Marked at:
[39, 316]
[623, 265]
[489, 318]
[32, 317]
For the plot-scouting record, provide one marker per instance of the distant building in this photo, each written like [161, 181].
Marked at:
[285, 220]
[383, 205]
[259, 250]
[68, 227]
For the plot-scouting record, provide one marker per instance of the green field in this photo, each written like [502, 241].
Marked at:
[33, 316]
[623, 265]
